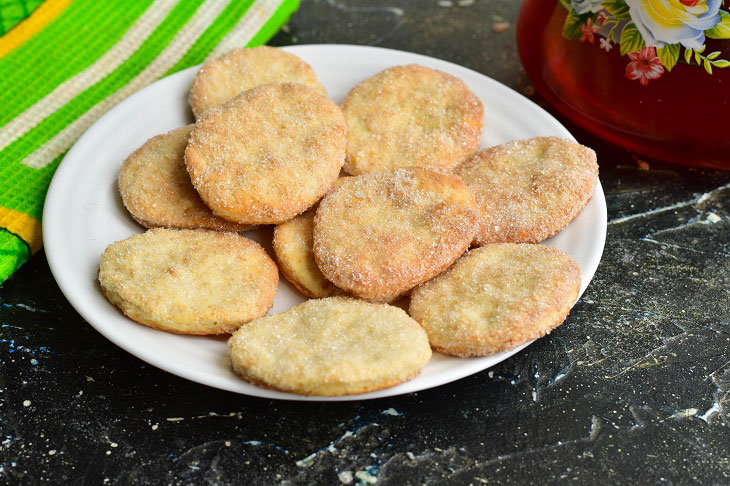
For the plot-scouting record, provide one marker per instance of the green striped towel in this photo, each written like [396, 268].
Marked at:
[70, 61]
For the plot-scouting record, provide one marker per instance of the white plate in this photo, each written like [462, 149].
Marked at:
[83, 212]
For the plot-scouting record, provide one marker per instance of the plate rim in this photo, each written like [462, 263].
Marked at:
[54, 192]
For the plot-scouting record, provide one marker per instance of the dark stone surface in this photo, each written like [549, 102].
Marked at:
[633, 388]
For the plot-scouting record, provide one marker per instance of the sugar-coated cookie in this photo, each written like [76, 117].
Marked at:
[408, 116]
[156, 188]
[222, 79]
[189, 281]
[496, 297]
[330, 346]
[294, 253]
[379, 235]
[267, 155]
[528, 190]
[293, 247]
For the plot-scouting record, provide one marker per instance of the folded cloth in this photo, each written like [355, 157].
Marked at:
[70, 61]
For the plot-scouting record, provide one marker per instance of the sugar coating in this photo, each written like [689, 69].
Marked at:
[294, 253]
[293, 247]
[379, 235]
[528, 190]
[156, 188]
[330, 346]
[496, 297]
[267, 155]
[409, 116]
[222, 79]
[189, 281]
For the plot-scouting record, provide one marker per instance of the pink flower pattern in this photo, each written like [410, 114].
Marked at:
[644, 66]
[588, 31]
[654, 24]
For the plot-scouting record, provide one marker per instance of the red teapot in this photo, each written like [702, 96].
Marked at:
[652, 76]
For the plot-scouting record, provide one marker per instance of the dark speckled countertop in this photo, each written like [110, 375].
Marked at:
[633, 388]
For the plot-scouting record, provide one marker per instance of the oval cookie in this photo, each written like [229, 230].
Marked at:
[189, 281]
[331, 346]
[222, 79]
[267, 155]
[496, 297]
[156, 188]
[410, 116]
[293, 247]
[292, 244]
[528, 190]
[379, 235]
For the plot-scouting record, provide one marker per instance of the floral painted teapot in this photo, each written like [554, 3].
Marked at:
[648, 75]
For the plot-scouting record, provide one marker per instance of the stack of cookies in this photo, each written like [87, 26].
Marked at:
[383, 199]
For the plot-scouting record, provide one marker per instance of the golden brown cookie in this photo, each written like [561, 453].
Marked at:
[189, 281]
[408, 116]
[293, 248]
[379, 235]
[156, 188]
[528, 190]
[496, 297]
[222, 79]
[332, 346]
[267, 155]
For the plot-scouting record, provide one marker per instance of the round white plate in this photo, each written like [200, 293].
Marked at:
[83, 213]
